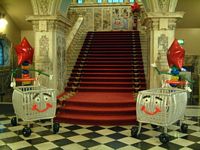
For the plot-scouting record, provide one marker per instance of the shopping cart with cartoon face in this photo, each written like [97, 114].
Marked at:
[161, 107]
[33, 103]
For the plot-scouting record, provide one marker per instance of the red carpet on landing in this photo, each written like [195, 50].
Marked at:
[108, 71]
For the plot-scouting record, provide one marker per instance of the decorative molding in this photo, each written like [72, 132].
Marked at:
[172, 24]
[44, 46]
[50, 7]
[172, 5]
[162, 50]
[160, 5]
[163, 42]
[152, 20]
[43, 6]
[35, 25]
[165, 14]
[49, 23]
[35, 7]
[163, 5]
[152, 24]
[43, 25]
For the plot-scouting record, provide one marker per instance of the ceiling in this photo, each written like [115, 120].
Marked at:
[19, 9]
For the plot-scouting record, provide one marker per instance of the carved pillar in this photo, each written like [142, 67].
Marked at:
[161, 31]
[160, 21]
[50, 48]
[50, 28]
[199, 89]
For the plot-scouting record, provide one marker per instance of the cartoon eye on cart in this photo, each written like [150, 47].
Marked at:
[160, 107]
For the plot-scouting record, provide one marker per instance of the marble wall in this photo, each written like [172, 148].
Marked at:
[105, 18]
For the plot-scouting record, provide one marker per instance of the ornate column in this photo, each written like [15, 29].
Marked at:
[50, 28]
[160, 21]
[199, 89]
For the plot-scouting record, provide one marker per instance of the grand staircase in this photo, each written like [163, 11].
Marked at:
[108, 71]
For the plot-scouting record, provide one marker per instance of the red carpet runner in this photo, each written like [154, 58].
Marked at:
[107, 72]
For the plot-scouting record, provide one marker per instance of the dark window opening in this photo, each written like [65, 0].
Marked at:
[1, 54]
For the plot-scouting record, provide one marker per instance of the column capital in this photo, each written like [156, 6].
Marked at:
[161, 21]
[42, 23]
[165, 14]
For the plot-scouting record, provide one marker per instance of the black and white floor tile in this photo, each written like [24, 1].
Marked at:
[84, 137]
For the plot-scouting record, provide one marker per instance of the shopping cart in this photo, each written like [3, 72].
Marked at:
[161, 107]
[33, 103]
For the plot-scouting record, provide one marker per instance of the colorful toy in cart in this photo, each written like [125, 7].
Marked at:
[31, 101]
[175, 57]
[160, 107]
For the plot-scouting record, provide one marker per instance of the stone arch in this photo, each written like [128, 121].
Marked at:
[50, 7]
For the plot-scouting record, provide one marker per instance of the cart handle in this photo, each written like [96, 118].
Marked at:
[22, 80]
[176, 82]
[186, 83]
[14, 80]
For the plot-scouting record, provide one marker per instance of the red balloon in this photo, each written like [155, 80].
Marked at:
[175, 55]
[135, 7]
[24, 52]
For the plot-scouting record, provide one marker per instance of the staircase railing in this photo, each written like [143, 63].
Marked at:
[74, 42]
[144, 47]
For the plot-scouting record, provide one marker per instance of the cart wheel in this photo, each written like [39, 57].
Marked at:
[184, 128]
[134, 132]
[164, 138]
[26, 131]
[14, 121]
[56, 127]
[154, 126]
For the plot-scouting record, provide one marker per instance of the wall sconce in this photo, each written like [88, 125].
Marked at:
[3, 22]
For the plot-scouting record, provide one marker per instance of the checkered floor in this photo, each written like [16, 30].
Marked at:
[81, 137]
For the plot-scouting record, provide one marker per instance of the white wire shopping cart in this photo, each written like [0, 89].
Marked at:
[33, 103]
[160, 107]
